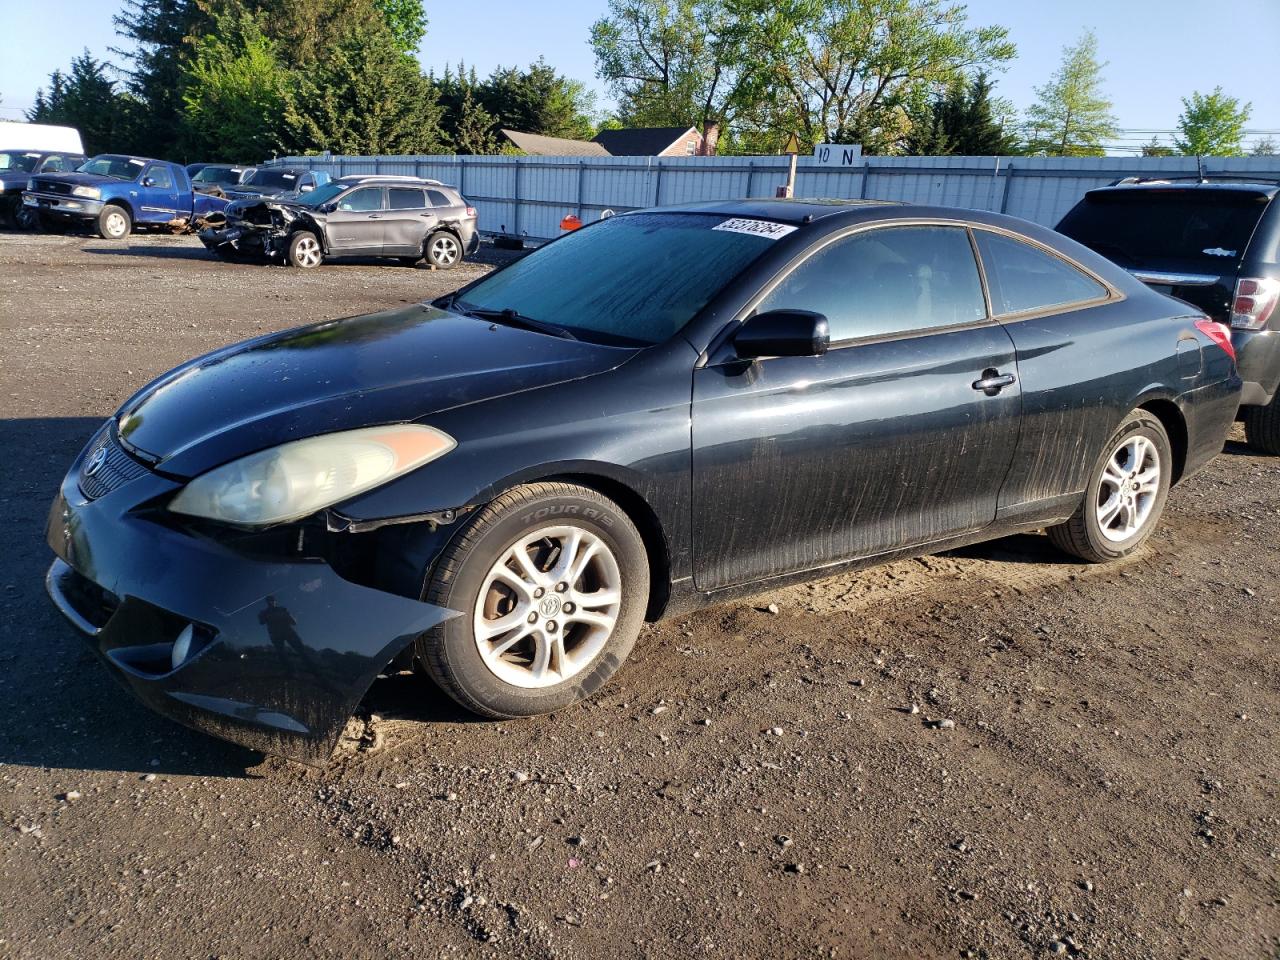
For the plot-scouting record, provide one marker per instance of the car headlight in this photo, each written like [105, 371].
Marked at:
[296, 479]
[31, 184]
[89, 193]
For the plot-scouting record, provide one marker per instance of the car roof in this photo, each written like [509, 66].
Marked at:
[387, 178]
[799, 210]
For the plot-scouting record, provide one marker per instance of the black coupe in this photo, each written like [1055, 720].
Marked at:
[659, 411]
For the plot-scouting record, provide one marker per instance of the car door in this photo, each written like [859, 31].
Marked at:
[409, 217]
[356, 224]
[157, 196]
[901, 434]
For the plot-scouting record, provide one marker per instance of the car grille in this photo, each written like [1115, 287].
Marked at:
[115, 469]
[52, 186]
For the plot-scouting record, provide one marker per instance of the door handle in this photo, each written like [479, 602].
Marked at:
[375, 216]
[993, 381]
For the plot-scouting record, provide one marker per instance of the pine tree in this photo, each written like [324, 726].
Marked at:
[85, 98]
[961, 121]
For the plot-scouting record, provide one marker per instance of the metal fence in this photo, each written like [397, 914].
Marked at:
[528, 196]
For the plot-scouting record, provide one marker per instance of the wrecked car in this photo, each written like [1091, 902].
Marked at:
[660, 411]
[400, 217]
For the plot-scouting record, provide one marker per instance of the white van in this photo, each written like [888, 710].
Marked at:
[39, 136]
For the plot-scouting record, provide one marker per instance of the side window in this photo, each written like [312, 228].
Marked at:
[54, 164]
[1022, 277]
[362, 201]
[438, 199]
[886, 281]
[161, 178]
[405, 198]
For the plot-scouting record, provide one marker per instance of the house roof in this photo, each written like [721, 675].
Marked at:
[537, 145]
[641, 141]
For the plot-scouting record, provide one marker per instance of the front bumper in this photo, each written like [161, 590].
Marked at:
[277, 653]
[65, 206]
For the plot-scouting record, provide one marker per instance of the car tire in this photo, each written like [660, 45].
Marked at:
[114, 222]
[28, 218]
[304, 250]
[536, 665]
[1128, 487]
[443, 250]
[1262, 426]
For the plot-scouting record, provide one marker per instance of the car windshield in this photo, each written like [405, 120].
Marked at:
[273, 178]
[18, 160]
[322, 195]
[121, 168]
[1197, 228]
[634, 279]
[217, 175]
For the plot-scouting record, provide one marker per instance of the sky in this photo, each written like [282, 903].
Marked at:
[1156, 52]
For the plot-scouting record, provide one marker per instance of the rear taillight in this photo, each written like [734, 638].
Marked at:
[471, 212]
[1254, 302]
[1219, 333]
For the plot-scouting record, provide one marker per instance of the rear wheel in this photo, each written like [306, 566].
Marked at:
[304, 250]
[1262, 426]
[553, 580]
[1126, 494]
[443, 250]
[114, 223]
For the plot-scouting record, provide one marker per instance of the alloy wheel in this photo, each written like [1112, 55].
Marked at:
[547, 606]
[444, 251]
[307, 252]
[1129, 489]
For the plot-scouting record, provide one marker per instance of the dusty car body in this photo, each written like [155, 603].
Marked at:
[400, 217]
[661, 386]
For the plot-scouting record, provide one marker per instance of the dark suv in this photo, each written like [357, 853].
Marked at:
[1214, 243]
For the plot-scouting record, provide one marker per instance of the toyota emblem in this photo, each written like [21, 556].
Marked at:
[95, 462]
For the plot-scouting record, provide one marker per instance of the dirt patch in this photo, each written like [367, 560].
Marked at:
[754, 784]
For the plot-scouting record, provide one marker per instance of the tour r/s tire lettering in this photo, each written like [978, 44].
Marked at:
[507, 685]
[1086, 535]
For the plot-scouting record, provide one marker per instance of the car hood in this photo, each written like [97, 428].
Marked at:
[390, 367]
[250, 190]
[80, 179]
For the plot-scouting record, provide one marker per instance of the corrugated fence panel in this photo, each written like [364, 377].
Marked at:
[530, 195]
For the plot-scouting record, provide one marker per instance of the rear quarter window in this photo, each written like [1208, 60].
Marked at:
[1022, 278]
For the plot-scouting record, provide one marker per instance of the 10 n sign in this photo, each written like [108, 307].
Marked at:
[837, 154]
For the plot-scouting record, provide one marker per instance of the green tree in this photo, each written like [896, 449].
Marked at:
[1154, 148]
[158, 55]
[234, 91]
[963, 120]
[407, 21]
[539, 100]
[466, 122]
[85, 98]
[1073, 116]
[1266, 147]
[674, 63]
[364, 96]
[854, 71]
[1212, 125]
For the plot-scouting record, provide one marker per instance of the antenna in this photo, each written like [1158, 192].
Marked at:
[1200, 169]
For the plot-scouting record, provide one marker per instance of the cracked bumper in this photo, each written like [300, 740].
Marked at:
[271, 654]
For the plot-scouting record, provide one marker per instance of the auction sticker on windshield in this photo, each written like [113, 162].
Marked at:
[756, 228]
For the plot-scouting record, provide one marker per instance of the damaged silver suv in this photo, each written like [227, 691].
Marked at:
[361, 216]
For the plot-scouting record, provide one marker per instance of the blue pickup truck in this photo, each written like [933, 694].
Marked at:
[115, 194]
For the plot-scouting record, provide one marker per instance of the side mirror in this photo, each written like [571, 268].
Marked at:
[783, 333]
[306, 188]
[148, 181]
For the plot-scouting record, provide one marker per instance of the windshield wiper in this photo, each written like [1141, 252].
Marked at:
[511, 318]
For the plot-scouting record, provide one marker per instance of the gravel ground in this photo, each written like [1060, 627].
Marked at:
[753, 784]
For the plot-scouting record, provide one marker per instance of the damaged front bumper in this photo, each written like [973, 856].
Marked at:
[269, 653]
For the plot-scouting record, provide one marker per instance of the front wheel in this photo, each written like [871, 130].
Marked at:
[114, 223]
[1262, 426]
[552, 580]
[304, 250]
[1126, 494]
